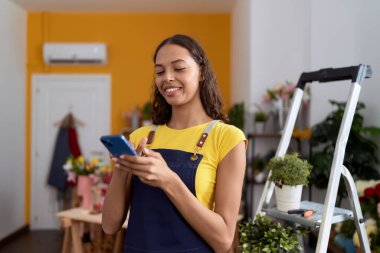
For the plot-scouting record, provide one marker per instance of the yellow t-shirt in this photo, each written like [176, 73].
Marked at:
[221, 139]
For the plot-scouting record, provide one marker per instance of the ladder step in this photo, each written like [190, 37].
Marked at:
[313, 221]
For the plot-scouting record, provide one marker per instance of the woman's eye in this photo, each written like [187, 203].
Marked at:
[159, 72]
[179, 69]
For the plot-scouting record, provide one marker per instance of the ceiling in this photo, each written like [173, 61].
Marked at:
[129, 6]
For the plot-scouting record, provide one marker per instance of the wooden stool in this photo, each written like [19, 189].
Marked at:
[66, 225]
[72, 240]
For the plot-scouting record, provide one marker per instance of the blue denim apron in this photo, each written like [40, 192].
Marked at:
[155, 225]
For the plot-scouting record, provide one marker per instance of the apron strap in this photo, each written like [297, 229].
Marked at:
[205, 134]
[151, 135]
[202, 140]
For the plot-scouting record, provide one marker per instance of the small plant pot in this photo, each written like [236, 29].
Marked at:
[259, 127]
[259, 177]
[288, 197]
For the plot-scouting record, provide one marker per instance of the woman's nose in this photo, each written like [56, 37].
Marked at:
[169, 76]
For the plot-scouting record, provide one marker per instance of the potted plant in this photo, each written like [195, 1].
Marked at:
[290, 173]
[361, 153]
[260, 117]
[147, 114]
[236, 115]
[265, 235]
[84, 174]
[258, 168]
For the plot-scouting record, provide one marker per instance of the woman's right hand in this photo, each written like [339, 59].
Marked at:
[139, 150]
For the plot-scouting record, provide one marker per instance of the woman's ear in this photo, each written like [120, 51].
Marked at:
[201, 77]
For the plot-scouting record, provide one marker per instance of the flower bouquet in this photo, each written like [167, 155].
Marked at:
[280, 92]
[369, 197]
[279, 96]
[86, 175]
[81, 167]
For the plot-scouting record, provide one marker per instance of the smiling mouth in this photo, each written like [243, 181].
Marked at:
[171, 90]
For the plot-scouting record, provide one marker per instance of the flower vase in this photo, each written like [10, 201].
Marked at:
[84, 186]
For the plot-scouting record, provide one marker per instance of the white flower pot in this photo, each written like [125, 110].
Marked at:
[259, 127]
[288, 197]
[260, 177]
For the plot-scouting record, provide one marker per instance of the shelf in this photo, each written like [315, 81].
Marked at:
[313, 221]
[264, 135]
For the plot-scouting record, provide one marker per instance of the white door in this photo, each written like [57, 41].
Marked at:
[53, 97]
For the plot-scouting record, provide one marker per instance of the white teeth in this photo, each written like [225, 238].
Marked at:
[171, 89]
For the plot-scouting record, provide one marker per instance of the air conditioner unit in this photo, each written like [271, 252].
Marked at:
[75, 53]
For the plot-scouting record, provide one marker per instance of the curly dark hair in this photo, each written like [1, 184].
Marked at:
[210, 96]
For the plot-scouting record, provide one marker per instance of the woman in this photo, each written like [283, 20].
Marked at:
[184, 191]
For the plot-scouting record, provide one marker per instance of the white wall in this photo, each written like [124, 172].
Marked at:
[13, 21]
[270, 44]
[280, 43]
[344, 35]
[241, 52]
[274, 41]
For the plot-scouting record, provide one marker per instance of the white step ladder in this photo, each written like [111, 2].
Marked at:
[326, 214]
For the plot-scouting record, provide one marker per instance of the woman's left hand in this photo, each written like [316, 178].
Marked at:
[151, 168]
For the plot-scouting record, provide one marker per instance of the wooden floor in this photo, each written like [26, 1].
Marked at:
[51, 241]
[46, 241]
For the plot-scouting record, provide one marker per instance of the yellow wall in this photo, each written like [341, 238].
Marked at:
[131, 40]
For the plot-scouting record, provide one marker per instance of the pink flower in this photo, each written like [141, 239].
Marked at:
[280, 91]
[266, 98]
[72, 177]
[289, 88]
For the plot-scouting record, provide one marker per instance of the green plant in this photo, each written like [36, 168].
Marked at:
[360, 154]
[289, 170]
[147, 111]
[346, 228]
[236, 115]
[260, 116]
[258, 163]
[265, 235]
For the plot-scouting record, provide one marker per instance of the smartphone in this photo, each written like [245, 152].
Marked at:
[117, 145]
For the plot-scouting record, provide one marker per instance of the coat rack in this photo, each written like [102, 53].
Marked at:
[69, 121]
